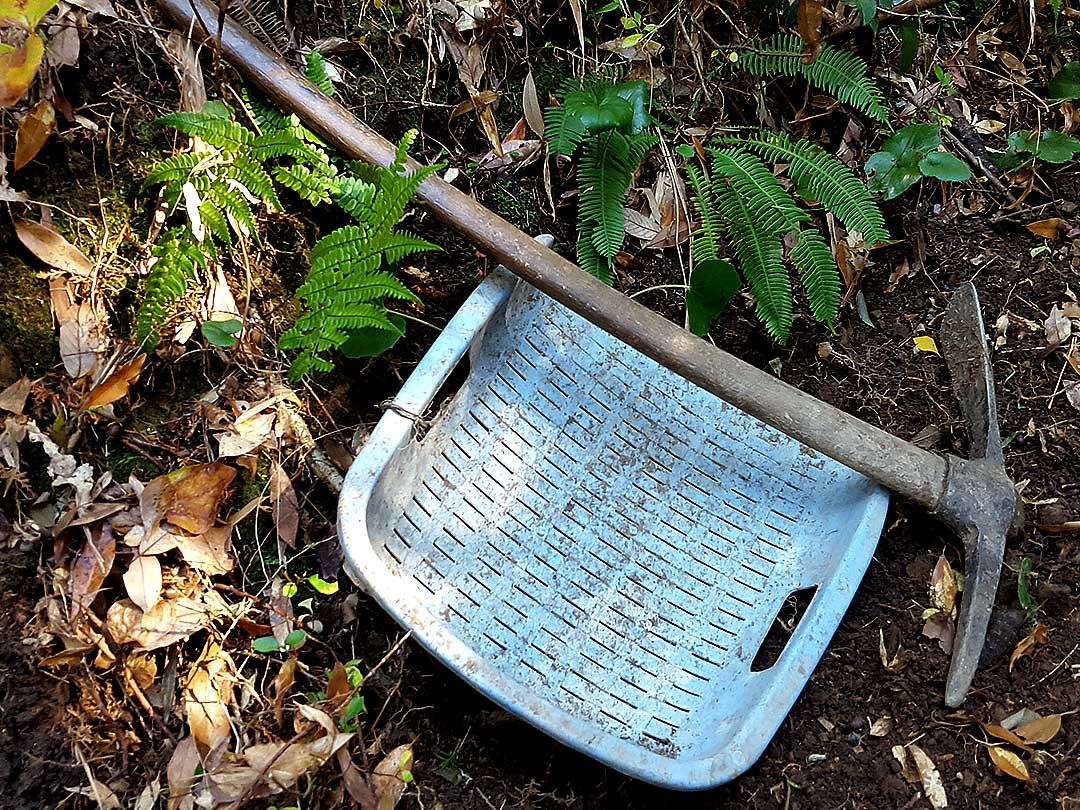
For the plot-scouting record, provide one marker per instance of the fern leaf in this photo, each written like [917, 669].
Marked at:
[759, 252]
[215, 221]
[267, 117]
[762, 192]
[703, 243]
[288, 143]
[176, 169]
[234, 206]
[250, 174]
[819, 273]
[603, 177]
[178, 257]
[826, 178]
[315, 70]
[355, 197]
[842, 74]
[592, 262]
[224, 133]
[315, 187]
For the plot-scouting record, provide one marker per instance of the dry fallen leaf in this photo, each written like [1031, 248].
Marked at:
[92, 566]
[190, 497]
[930, 778]
[180, 774]
[1042, 730]
[1046, 228]
[34, 131]
[206, 699]
[1004, 734]
[943, 587]
[388, 778]
[52, 248]
[116, 386]
[13, 398]
[892, 663]
[925, 343]
[1058, 328]
[530, 105]
[80, 341]
[143, 581]
[207, 552]
[1009, 763]
[169, 621]
[286, 511]
[1026, 645]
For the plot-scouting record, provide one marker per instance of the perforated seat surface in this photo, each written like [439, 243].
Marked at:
[602, 546]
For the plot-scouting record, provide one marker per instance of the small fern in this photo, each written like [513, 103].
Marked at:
[839, 73]
[233, 167]
[741, 198]
[607, 123]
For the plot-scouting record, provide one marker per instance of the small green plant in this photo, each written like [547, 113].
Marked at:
[839, 73]
[236, 167]
[908, 156]
[740, 200]
[1065, 86]
[608, 124]
[1027, 146]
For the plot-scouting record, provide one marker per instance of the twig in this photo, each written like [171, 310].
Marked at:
[320, 463]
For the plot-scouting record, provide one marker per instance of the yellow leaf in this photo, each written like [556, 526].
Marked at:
[25, 13]
[34, 131]
[925, 343]
[115, 387]
[1009, 763]
[18, 68]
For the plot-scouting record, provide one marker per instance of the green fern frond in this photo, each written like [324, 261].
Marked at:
[401, 154]
[252, 176]
[608, 163]
[704, 241]
[819, 273]
[315, 70]
[313, 186]
[222, 132]
[824, 178]
[234, 206]
[267, 117]
[354, 196]
[176, 169]
[759, 252]
[178, 257]
[758, 187]
[215, 221]
[592, 262]
[839, 73]
[288, 142]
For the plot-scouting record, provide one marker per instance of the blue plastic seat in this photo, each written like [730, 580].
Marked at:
[600, 546]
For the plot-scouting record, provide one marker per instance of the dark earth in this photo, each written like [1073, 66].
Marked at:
[471, 754]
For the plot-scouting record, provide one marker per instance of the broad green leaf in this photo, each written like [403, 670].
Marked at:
[712, 285]
[222, 333]
[920, 138]
[943, 166]
[353, 709]
[288, 590]
[867, 10]
[1065, 86]
[322, 586]
[909, 45]
[265, 644]
[1023, 594]
[372, 341]
[891, 177]
[295, 638]
[1056, 147]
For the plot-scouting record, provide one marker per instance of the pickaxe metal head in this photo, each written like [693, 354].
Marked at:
[979, 502]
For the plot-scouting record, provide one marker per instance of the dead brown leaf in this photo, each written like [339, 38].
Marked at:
[943, 587]
[143, 581]
[92, 566]
[206, 700]
[207, 552]
[52, 248]
[283, 683]
[191, 496]
[930, 778]
[1042, 730]
[1026, 645]
[1009, 763]
[116, 386]
[1001, 733]
[530, 105]
[389, 776]
[34, 131]
[1047, 228]
[180, 773]
[13, 398]
[80, 340]
[1058, 328]
[283, 501]
[169, 621]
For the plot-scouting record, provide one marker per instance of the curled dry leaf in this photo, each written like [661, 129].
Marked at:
[191, 496]
[143, 582]
[206, 699]
[1026, 645]
[34, 131]
[892, 662]
[180, 774]
[943, 587]
[930, 778]
[207, 552]
[1009, 763]
[1047, 228]
[169, 621]
[1058, 328]
[1042, 730]
[1002, 733]
[116, 386]
[389, 776]
[13, 398]
[285, 508]
[92, 566]
[52, 248]
[530, 105]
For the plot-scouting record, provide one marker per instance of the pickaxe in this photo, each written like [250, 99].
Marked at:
[973, 496]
